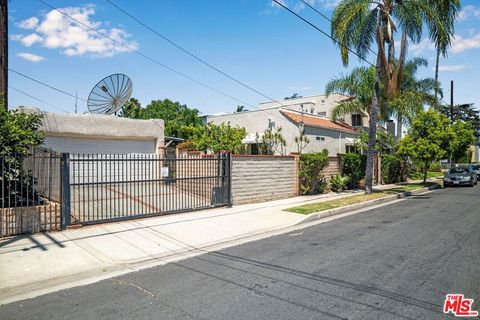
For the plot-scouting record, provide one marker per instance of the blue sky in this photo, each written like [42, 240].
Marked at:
[255, 42]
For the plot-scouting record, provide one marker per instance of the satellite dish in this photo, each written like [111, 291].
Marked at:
[110, 94]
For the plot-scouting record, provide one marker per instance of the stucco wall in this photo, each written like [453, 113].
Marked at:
[100, 126]
[263, 178]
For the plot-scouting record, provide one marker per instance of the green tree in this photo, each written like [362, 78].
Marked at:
[272, 141]
[302, 141]
[215, 138]
[462, 136]
[19, 132]
[428, 139]
[384, 143]
[463, 112]
[131, 109]
[175, 115]
[359, 24]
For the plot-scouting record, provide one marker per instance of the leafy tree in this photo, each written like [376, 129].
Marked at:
[272, 141]
[428, 139]
[131, 109]
[463, 112]
[220, 137]
[302, 141]
[19, 132]
[359, 24]
[462, 136]
[384, 143]
[175, 115]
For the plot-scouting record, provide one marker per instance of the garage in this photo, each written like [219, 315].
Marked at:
[100, 146]
[100, 134]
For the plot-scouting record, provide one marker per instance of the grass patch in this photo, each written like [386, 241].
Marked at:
[337, 203]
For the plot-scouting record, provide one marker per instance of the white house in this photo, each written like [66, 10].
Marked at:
[313, 113]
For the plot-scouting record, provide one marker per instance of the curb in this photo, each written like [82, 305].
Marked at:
[327, 213]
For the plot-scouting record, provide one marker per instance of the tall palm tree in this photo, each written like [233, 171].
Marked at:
[359, 24]
[441, 32]
[358, 84]
[414, 93]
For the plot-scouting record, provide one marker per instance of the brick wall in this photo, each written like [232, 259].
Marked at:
[334, 167]
[263, 178]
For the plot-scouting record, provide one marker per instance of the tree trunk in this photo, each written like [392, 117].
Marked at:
[437, 65]
[399, 126]
[425, 170]
[373, 127]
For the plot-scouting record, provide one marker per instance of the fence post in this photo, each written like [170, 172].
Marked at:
[228, 159]
[65, 189]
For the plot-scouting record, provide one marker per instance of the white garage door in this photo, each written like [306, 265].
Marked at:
[103, 146]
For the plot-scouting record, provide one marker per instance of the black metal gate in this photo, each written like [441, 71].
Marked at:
[100, 187]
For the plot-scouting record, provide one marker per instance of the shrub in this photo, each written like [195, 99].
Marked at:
[311, 166]
[353, 166]
[339, 182]
[391, 168]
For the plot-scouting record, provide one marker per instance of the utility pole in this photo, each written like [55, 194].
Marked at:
[451, 100]
[4, 52]
[76, 102]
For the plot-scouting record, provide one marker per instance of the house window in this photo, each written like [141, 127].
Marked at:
[350, 149]
[319, 138]
[357, 120]
[322, 113]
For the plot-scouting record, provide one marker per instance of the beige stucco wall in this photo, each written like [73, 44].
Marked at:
[100, 126]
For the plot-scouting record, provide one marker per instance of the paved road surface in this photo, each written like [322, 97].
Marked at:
[394, 262]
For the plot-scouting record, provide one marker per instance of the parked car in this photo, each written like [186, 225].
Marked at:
[476, 168]
[461, 175]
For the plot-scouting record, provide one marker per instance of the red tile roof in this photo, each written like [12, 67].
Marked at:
[316, 121]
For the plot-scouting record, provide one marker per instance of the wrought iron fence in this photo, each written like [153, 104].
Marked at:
[29, 192]
[117, 187]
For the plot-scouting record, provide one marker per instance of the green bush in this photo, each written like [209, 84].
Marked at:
[311, 166]
[391, 168]
[435, 166]
[353, 166]
[339, 182]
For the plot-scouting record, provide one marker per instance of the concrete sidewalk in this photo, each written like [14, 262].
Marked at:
[34, 265]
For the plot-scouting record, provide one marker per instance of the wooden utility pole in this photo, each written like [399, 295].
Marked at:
[4, 52]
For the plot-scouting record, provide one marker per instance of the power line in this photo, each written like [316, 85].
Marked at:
[188, 52]
[321, 31]
[327, 18]
[38, 99]
[144, 55]
[44, 84]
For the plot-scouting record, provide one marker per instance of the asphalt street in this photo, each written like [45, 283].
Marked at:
[394, 262]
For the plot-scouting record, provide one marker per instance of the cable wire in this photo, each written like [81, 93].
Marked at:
[144, 55]
[321, 31]
[45, 84]
[327, 18]
[176, 45]
[38, 99]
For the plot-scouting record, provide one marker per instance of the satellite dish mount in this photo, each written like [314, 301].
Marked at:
[110, 94]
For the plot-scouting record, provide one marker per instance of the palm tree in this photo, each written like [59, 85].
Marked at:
[358, 84]
[441, 32]
[359, 24]
[414, 93]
